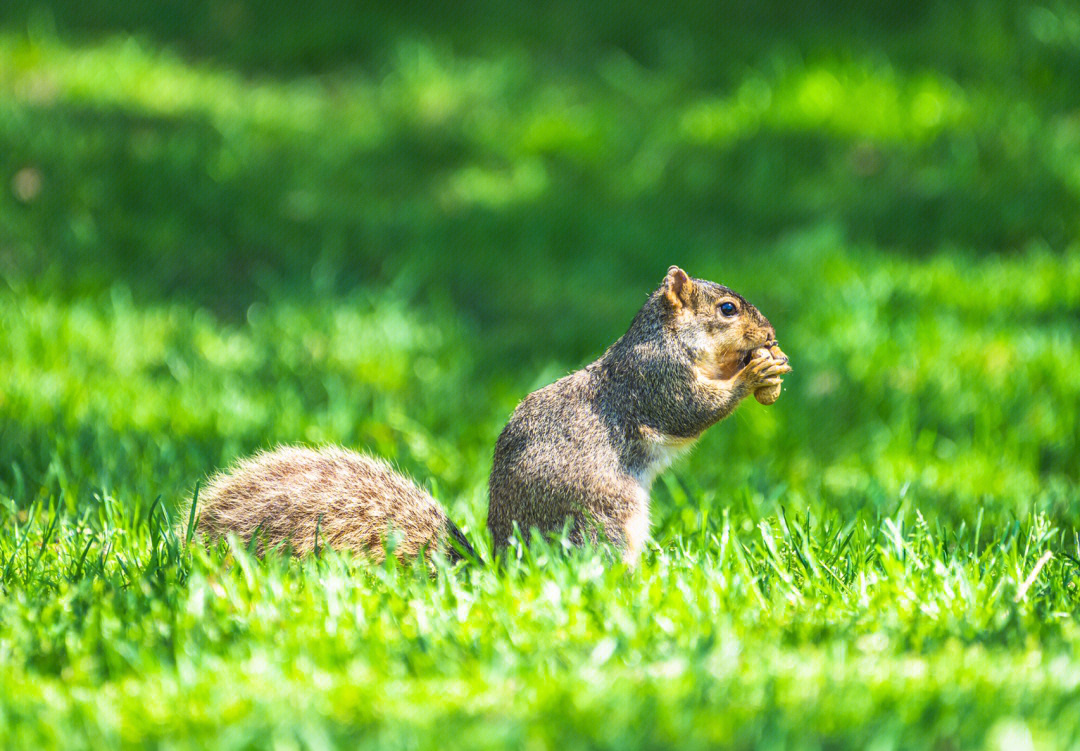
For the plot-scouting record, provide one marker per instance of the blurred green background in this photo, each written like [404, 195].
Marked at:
[225, 225]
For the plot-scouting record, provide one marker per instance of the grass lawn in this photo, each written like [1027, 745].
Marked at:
[224, 227]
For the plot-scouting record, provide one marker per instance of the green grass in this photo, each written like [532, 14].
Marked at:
[224, 227]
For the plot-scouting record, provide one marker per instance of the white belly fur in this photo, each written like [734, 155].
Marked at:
[663, 450]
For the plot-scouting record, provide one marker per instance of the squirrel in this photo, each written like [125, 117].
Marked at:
[584, 450]
[303, 498]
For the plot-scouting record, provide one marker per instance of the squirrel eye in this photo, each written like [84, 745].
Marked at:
[728, 308]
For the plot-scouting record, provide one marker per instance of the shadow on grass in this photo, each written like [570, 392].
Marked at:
[712, 39]
[168, 207]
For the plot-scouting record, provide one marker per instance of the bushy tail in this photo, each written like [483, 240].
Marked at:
[458, 547]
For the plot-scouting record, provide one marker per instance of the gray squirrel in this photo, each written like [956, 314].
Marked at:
[579, 453]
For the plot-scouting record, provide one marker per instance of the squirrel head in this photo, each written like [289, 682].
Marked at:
[714, 324]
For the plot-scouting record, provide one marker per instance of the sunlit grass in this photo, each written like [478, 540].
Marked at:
[122, 73]
[828, 584]
[854, 101]
[734, 635]
[427, 88]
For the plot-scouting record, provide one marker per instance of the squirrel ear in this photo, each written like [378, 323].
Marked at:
[677, 287]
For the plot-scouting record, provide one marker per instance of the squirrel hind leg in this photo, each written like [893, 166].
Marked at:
[635, 529]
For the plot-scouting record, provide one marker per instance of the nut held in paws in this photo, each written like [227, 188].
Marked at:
[769, 394]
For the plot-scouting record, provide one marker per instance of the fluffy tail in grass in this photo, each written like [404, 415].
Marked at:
[304, 499]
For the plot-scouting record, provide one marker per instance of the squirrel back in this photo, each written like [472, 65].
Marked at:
[585, 449]
[326, 497]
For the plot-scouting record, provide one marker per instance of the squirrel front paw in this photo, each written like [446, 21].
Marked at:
[763, 367]
[764, 374]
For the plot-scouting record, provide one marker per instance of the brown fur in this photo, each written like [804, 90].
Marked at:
[586, 448]
[357, 503]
